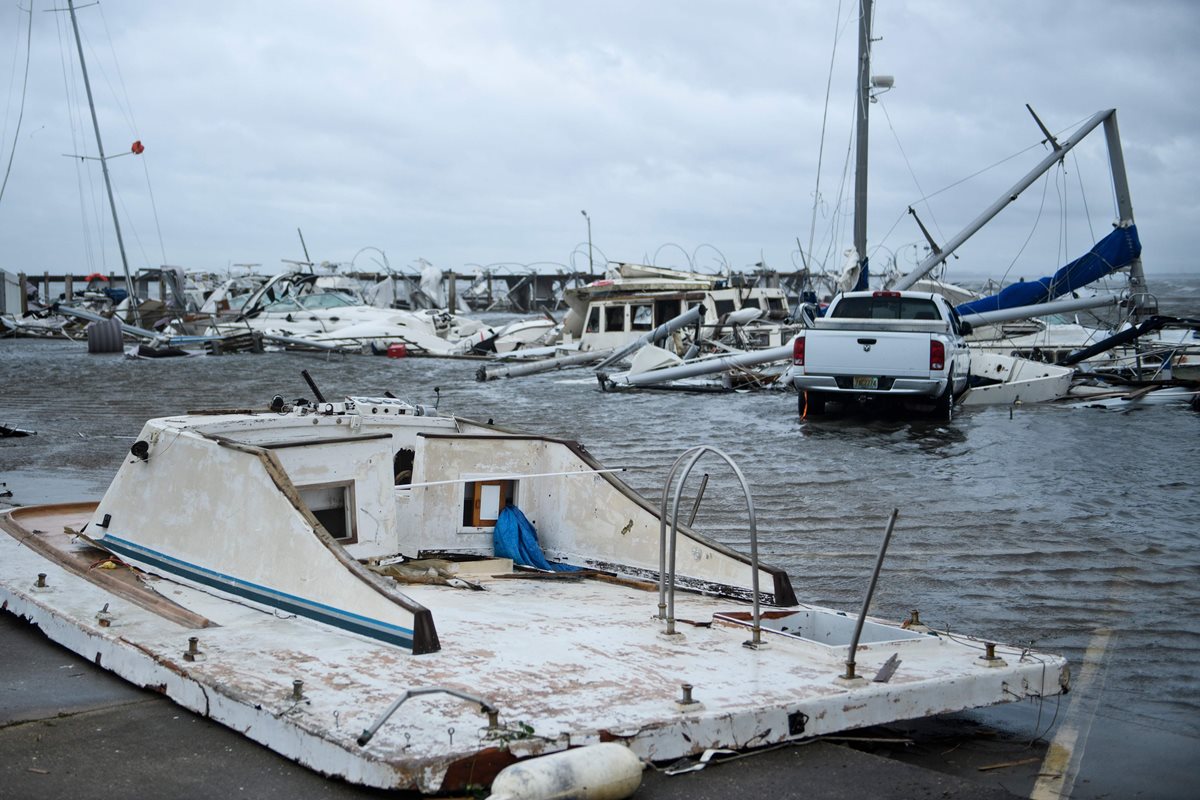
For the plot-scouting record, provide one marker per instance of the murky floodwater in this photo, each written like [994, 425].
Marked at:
[1045, 525]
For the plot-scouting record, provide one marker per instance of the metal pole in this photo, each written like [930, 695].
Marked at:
[133, 305]
[862, 616]
[591, 265]
[704, 366]
[1040, 309]
[862, 132]
[1116, 161]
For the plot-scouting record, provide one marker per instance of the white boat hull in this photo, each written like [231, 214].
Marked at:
[1017, 380]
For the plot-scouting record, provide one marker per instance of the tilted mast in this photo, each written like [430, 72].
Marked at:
[1106, 117]
[133, 303]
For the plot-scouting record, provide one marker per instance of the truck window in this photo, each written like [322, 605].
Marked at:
[886, 308]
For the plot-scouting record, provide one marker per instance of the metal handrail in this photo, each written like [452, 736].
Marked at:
[489, 709]
[666, 589]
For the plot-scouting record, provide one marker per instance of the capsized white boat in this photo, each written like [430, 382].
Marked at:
[332, 582]
[1005, 380]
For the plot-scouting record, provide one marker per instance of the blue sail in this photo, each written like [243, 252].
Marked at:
[1114, 251]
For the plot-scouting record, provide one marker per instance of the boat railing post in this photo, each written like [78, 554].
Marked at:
[862, 616]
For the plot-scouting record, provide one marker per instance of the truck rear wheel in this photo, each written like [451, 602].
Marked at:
[943, 407]
[811, 404]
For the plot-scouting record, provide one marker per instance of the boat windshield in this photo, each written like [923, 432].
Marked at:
[325, 300]
[285, 304]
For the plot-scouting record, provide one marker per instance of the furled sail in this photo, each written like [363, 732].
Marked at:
[1114, 251]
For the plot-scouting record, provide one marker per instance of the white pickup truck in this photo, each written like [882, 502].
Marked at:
[901, 345]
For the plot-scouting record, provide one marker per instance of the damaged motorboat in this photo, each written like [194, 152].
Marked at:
[335, 581]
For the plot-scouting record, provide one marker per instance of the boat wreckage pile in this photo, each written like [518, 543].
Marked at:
[645, 327]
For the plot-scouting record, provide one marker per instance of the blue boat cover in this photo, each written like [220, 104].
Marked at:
[515, 538]
[1111, 253]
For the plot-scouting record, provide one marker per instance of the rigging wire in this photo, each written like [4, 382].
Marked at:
[1060, 186]
[66, 61]
[908, 164]
[24, 87]
[1032, 230]
[1087, 213]
[837, 33]
[1062, 242]
[127, 110]
[1006, 159]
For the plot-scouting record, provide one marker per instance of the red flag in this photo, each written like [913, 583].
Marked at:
[137, 147]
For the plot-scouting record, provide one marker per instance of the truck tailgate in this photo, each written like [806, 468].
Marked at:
[879, 352]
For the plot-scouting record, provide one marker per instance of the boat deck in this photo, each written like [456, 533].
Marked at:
[565, 661]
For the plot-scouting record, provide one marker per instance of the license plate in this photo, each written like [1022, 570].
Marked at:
[866, 382]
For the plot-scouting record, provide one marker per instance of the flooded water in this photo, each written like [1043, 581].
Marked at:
[1076, 530]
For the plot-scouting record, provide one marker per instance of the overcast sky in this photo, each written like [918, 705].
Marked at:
[473, 133]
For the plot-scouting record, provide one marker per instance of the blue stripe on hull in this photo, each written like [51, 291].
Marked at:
[338, 618]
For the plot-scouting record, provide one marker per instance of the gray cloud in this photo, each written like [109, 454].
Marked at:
[474, 132]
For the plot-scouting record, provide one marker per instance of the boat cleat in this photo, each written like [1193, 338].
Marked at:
[193, 653]
[686, 703]
[989, 657]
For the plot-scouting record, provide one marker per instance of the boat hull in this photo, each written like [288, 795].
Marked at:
[567, 662]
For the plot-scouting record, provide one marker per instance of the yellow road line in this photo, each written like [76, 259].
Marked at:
[1061, 765]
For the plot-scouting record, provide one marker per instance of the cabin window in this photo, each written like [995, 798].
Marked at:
[402, 466]
[593, 320]
[643, 318]
[333, 506]
[484, 499]
[614, 319]
[665, 310]
[750, 302]
[723, 307]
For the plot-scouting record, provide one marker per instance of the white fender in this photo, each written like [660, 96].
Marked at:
[608, 771]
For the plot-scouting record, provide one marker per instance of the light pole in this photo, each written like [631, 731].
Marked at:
[591, 266]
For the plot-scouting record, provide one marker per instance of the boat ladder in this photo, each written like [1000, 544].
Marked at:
[666, 572]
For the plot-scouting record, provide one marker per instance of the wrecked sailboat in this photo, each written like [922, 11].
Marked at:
[248, 546]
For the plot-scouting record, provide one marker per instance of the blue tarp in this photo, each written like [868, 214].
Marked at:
[515, 538]
[1111, 253]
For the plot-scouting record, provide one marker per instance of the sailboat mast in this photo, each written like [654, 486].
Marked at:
[133, 304]
[860, 140]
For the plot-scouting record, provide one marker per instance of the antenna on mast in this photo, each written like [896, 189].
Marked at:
[304, 247]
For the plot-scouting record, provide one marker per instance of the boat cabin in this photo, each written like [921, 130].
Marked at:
[293, 509]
